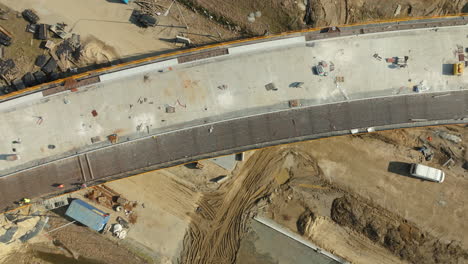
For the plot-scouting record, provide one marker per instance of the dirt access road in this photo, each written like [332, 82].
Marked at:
[215, 232]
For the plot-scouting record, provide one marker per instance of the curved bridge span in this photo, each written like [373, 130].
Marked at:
[217, 100]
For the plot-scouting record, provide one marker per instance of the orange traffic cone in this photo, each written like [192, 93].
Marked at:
[61, 186]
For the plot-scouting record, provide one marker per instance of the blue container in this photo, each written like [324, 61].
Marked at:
[87, 214]
[125, 1]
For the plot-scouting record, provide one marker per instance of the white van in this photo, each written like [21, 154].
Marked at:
[427, 173]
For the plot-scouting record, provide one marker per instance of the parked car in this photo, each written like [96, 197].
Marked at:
[30, 16]
[146, 20]
[427, 173]
[4, 39]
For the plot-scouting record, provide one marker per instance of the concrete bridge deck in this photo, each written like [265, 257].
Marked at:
[227, 92]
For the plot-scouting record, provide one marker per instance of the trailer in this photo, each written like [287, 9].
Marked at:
[87, 214]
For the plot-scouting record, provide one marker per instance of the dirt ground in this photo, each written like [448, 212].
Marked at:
[168, 203]
[341, 12]
[215, 231]
[72, 244]
[362, 199]
[363, 209]
[109, 21]
[283, 15]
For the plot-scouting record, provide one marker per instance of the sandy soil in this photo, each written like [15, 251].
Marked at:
[349, 245]
[8, 251]
[407, 217]
[71, 244]
[109, 21]
[215, 233]
[321, 172]
[199, 178]
[168, 202]
[431, 205]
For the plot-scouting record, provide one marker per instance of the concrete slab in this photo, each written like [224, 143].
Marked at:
[227, 162]
[265, 245]
[267, 45]
[134, 107]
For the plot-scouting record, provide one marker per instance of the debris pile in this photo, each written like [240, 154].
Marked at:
[149, 7]
[7, 68]
[61, 56]
[427, 152]
[448, 136]
[63, 48]
[107, 197]
[323, 68]
[397, 62]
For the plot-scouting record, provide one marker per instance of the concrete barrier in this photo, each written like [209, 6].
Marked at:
[267, 45]
[271, 224]
[20, 100]
[138, 70]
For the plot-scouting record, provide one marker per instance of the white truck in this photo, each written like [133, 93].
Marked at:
[427, 173]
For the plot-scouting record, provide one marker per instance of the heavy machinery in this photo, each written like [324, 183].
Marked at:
[144, 20]
[458, 68]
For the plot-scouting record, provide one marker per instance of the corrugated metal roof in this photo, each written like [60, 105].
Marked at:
[87, 214]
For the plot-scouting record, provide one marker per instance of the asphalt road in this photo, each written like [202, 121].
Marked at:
[230, 137]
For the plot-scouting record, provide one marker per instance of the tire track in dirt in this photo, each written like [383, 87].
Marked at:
[216, 230]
